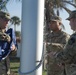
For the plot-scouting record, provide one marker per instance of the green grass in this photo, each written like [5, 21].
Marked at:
[44, 72]
[15, 63]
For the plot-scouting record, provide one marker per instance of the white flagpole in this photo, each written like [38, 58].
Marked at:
[40, 34]
[30, 36]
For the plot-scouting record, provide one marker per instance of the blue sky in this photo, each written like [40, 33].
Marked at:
[64, 15]
[15, 9]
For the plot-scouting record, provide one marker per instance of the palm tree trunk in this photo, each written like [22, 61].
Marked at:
[14, 27]
[58, 12]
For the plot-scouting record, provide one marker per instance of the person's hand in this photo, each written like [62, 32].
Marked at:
[52, 54]
[5, 37]
[47, 43]
[13, 48]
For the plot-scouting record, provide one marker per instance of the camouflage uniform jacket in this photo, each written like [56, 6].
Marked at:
[68, 56]
[57, 42]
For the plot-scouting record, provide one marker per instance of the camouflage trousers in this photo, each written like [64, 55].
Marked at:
[68, 70]
[53, 68]
[2, 68]
[5, 67]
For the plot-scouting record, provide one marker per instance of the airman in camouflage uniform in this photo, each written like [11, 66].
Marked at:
[55, 43]
[68, 56]
[5, 42]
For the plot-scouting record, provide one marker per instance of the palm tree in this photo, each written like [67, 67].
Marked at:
[15, 21]
[52, 7]
[3, 4]
[56, 5]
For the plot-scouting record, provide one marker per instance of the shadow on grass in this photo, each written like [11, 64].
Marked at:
[15, 71]
[14, 59]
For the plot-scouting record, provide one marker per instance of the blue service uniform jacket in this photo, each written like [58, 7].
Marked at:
[5, 47]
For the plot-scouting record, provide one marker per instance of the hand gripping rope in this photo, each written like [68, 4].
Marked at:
[2, 57]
